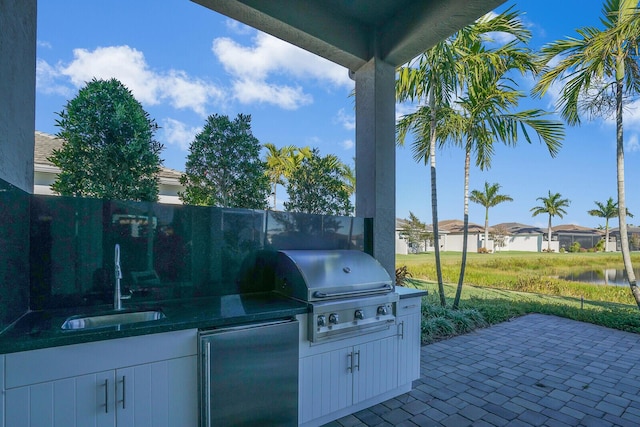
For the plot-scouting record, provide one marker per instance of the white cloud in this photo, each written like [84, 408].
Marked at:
[348, 121]
[633, 143]
[347, 144]
[46, 77]
[129, 66]
[238, 27]
[254, 67]
[404, 108]
[44, 44]
[287, 97]
[178, 133]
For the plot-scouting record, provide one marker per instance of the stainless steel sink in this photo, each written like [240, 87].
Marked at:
[111, 319]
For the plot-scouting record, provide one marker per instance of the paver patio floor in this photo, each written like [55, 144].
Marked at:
[536, 370]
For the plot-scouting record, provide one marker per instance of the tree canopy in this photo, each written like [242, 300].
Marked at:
[223, 167]
[415, 232]
[318, 186]
[109, 150]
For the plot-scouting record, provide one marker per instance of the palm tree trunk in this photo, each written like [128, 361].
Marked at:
[465, 230]
[486, 228]
[434, 198]
[274, 196]
[622, 209]
[549, 235]
[606, 235]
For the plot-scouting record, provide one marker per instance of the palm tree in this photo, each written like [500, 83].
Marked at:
[278, 165]
[349, 178]
[607, 211]
[597, 71]
[553, 206]
[489, 198]
[436, 77]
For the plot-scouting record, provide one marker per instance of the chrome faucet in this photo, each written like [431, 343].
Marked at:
[117, 294]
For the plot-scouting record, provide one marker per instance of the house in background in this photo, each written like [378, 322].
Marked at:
[568, 234]
[454, 230]
[45, 172]
[519, 237]
[633, 234]
[403, 247]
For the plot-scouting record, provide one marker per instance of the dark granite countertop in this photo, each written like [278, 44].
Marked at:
[41, 329]
[410, 292]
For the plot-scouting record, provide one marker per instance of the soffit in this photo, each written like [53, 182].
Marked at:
[351, 32]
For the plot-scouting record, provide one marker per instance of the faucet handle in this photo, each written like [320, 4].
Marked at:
[127, 295]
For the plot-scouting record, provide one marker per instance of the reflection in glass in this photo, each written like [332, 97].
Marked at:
[167, 251]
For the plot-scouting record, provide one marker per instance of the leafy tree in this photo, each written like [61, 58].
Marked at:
[109, 151]
[597, 71]
[553, 206]
[499, 236]
[415, 232]
[317, 186]
[489, 198]
[607, 211]
[223, 167]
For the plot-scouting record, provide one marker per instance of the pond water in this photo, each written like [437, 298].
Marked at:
[612, 277]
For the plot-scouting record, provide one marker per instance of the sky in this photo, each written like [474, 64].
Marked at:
[184, 62]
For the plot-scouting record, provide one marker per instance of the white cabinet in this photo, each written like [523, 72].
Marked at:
[409, 316]
[344, 376]
[141, 381]
[335, 377]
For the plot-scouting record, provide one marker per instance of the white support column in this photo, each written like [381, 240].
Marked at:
[376, 156]
[17, 91]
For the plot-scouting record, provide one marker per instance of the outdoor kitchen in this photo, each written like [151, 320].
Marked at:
[187, 272]
[130, 301]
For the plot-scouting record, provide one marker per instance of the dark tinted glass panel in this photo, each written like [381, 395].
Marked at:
[14, 253]
[166, 251]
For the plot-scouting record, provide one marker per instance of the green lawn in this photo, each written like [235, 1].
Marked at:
[502, 286]
[525, 271]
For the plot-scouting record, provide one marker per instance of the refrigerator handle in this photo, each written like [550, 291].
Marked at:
[207, 381]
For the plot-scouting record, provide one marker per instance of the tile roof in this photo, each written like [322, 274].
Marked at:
[45, 144]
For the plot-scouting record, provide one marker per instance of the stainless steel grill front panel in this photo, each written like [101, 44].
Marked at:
[349, 292]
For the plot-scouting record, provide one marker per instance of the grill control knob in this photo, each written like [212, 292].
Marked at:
[359, 314]
[383, 310]
[334, 318]
[322, 320]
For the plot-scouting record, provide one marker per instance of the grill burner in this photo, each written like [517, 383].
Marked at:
[348, 291]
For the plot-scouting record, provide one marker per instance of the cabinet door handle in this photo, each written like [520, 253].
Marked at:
[401, 327]
[124, 390]
[350, 362]
[358, 364]
[106, 396]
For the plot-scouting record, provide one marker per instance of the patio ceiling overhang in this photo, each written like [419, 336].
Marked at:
[352, 32]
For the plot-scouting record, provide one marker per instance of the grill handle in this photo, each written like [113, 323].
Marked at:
[385, 288]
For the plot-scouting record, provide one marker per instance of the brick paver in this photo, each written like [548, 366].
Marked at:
[536, 370]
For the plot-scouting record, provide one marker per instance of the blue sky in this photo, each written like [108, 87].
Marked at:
[184, 62]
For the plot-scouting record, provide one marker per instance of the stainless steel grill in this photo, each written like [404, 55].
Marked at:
[349, 292]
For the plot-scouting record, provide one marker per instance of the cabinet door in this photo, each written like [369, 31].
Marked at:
[159, 394]
[325, 383]
[83, 401]
[409, 348]
[374, 368]
[409, 339]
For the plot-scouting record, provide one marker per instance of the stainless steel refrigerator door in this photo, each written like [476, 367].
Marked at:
[249, 375]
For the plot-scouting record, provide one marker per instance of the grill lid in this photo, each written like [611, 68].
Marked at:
[315, 275]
